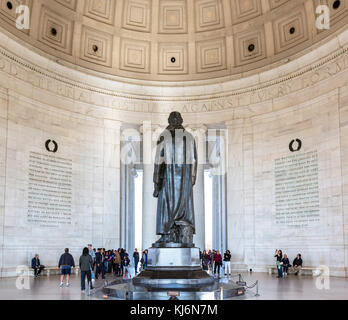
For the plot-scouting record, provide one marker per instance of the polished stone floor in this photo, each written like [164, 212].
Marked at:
[289, 288]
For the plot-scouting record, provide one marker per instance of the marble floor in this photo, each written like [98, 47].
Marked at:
[270, 288]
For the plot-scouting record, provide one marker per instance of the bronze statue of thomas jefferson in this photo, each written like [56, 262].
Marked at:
[174, 177]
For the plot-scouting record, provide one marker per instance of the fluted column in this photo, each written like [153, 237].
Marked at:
[217, 163]
[130, 156]
[150, 136]
[199, 133]
[110, 233]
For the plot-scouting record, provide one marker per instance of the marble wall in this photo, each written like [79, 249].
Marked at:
[319, 239]
[255, 146]
[91, 145]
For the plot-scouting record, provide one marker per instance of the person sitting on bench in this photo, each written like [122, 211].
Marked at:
[36, 265]
[297, 264]
[286, 265]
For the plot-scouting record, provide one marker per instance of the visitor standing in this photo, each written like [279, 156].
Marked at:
[117, 261]
[217, 262]
[99, 260]
[66, 262]
[205, 260]
[227, 262]
[144, 259]
[92, 254]
[126, 263]
[86, 265]
[122, 254]
[279, 256]
[136, 260]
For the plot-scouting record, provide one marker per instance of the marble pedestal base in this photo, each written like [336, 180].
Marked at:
[173, 269]
[177, 269]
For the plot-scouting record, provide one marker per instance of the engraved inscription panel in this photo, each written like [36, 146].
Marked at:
[49, 190]
[297, 190]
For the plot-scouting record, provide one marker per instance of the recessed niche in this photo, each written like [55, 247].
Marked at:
[9, 5]
[292, 30]
[336, 4]
[95, 48]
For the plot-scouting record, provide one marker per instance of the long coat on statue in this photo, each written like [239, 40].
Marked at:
[174, 177]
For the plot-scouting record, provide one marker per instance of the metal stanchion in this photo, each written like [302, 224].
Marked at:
[257, 289]
[221, 293]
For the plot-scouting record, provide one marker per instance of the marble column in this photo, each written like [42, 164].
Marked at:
[199, 132]
[111, 216]
[235, 194]
[130, 158]
[3, 154]
[217, 163]
[150, 136]
[127, 220]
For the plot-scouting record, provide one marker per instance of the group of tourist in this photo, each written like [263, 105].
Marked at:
[283, 264]
[212, 261]
[96, 262]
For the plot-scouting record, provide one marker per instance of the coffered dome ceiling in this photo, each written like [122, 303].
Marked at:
[173, 40]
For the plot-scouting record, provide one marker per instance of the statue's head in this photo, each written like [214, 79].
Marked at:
[175, 119]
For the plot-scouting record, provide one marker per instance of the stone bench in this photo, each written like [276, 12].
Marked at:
[55, 271]
[304, 270]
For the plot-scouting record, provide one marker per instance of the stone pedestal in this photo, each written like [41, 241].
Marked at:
[177, 268]
[168, 258]
[173, 268]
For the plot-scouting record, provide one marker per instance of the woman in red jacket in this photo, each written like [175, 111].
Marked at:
[217, 262]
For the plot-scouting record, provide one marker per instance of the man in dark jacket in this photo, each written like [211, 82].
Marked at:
[99, 260]
[136, 260]
[86, 265]
[36, 265]
[297, 264]
[66, 262]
